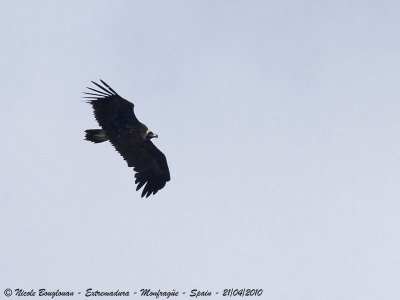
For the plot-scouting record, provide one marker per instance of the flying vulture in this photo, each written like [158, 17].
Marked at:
[131, 138]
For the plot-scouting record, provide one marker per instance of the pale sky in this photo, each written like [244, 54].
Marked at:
[280, 123]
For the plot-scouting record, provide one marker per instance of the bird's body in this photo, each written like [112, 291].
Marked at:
[131, 138]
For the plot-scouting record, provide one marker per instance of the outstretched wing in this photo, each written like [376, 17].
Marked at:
[111, 111]
[149, 163]
[116, 116]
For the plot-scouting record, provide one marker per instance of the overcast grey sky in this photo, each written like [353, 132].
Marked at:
[280, 122]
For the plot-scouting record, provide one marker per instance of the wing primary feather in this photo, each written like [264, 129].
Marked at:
[109, 87]
[145, 190]
[97, 91]
[140, 185]
[107, 91]
[101, 95]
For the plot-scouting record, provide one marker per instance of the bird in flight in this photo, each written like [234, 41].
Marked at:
[130, 137]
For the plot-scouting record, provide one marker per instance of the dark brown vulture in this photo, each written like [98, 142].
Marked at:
[131, 138]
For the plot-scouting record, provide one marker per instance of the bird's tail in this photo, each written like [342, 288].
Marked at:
[96, 135]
